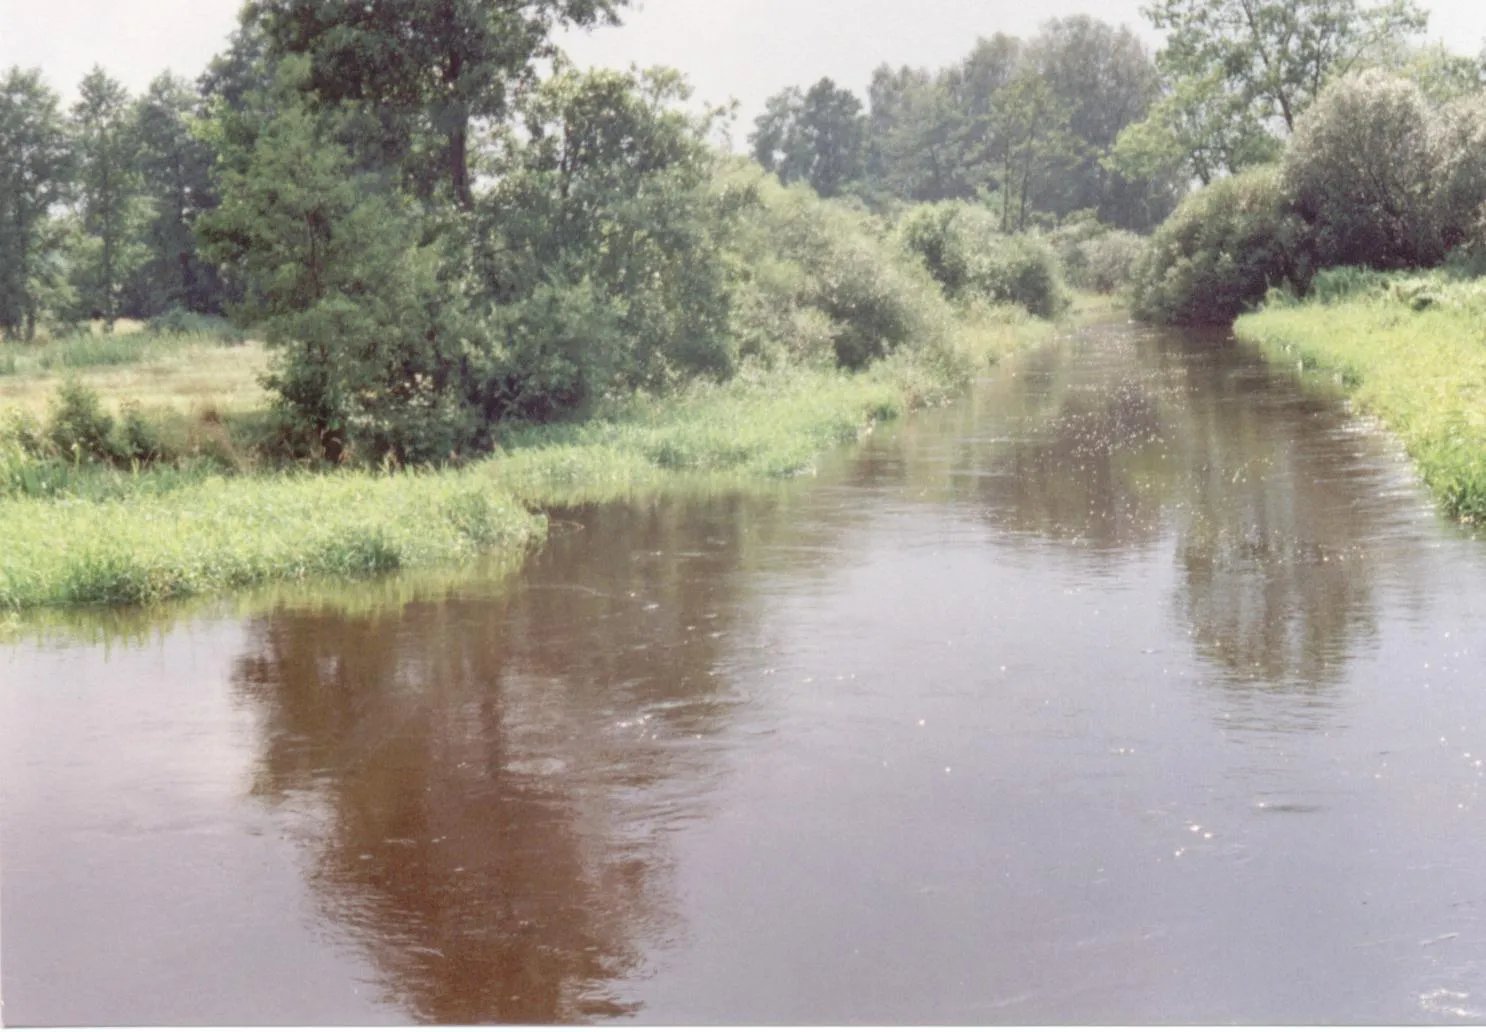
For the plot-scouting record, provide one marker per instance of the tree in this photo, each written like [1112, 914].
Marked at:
[113, 209]
[917, 136]
[1033, 138]
[1362, 170]
[1442, 76]
[331, 263]
[600, 245]
[176, 169]
[424, 69]
[1197, 131]
[818, 136]
[36, 173]
[1105, 80]
[1240, 70]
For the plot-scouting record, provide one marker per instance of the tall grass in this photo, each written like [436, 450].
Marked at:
[1409, 350]
[231, 533]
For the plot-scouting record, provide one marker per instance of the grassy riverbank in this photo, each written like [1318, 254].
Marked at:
[1408, 350]
[127, 536]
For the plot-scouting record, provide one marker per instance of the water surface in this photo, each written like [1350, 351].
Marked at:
[1142, 685]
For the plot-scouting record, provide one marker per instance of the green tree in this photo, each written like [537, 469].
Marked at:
[1240, 72]
[114, 212]
[1105, 80]
[917, 136]
[1033, 143]
[333, 264]
[1362, 170]
[1441, 75]
[176, 167]
[36, 175]
[426, 70]
[1197, 131]
[818, 136]
[601, 246]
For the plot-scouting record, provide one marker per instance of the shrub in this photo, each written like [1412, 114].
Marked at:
[1221, 251]
[830, 282]
[1459, 146]
[1109, 261]
[963, 250]
[79, 427]
[139, 439]
[1068, 240]
[1361, 170]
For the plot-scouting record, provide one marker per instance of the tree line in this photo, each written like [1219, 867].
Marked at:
[1024, 127]
[1082, 118]
[98, 202]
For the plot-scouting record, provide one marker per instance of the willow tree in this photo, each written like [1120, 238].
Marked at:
[1239, 73]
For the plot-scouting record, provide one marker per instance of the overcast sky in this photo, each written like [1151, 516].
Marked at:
[746, 49]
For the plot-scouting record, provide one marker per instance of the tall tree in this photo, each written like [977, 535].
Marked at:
[1105, 80]
[426, 70]
[1241, 69]
[818, 136]
[917, 136]
[36, 173]
[176, 167]
[110, 189]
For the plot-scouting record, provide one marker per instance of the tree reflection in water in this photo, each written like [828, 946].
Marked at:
[1278, 512]
[492, 771]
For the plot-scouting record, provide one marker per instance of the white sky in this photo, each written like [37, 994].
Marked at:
[746, 49]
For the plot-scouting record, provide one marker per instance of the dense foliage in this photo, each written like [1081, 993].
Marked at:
[1360, 170]
[1026, 125]
[1239, 74]
[1374, 176]
[1222, 250]
[963, 248]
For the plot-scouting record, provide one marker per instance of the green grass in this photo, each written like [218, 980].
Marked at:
[1410, 350]
[226, 533]
[79, 535]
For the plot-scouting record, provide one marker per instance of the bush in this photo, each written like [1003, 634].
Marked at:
[1221, 251]
[963, 250]
[1361, 170]
[1109, 261]
[1459, 146]
[79, 427]
[827, 283]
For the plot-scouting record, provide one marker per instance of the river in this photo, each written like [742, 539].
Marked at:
[1142, 685]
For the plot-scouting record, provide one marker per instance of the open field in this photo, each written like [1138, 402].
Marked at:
[1409, 351]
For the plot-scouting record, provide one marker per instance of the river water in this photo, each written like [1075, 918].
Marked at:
[1142, 685]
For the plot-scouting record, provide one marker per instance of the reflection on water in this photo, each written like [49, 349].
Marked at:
[1121, 691]
[1275, 502]
[498, 770]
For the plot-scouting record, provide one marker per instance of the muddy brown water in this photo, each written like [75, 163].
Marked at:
[1142, 685]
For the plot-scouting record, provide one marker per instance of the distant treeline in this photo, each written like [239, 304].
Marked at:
[1081, 119]
[1026, 127]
